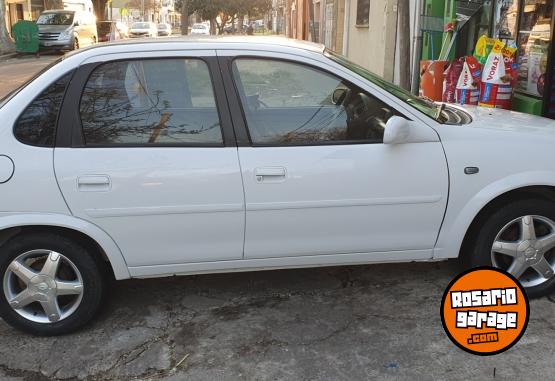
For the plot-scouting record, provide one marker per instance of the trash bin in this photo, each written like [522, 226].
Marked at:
[26, 35]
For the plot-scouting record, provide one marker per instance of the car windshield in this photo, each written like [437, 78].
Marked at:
[63, 18]
[199, 26]
[140, 25]
[428, 107]
[161, 26]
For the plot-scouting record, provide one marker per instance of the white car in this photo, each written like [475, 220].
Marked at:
[164, 29]
[200, 29]
[111, 167]
[143, 29]
[123, 29]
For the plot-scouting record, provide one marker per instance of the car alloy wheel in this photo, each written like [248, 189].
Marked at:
[43, 286]
[524, 248]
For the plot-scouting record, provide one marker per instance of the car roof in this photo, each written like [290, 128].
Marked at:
[209, 42]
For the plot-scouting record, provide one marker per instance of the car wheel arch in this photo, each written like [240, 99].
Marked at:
[99, 241]
[546, 192]
[454, 234]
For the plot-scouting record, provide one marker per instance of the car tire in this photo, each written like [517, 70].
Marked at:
[75, 43]
[508, 228]
[77, 285]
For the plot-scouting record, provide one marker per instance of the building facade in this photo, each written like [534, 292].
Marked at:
[22, 10]
[363, 30]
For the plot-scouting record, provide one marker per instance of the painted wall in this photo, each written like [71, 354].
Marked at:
[373, 46]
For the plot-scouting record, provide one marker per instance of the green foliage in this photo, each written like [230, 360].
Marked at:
[210, 9]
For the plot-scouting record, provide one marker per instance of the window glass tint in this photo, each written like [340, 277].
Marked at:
[289, 103]
[37, 124]
[169, 101]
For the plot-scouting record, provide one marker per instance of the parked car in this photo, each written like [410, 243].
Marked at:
[123, 29]
[164, 29]
[107, 31]
[66, 30]
[315, 162]
[143, 29]
[234, 29]
[200, 29]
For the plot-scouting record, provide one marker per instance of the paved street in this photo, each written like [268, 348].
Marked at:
[350, 323]
[17, 70]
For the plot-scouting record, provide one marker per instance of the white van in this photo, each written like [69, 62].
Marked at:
[66, 29]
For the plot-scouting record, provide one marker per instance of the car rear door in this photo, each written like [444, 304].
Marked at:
[318, 179]
[145, 150]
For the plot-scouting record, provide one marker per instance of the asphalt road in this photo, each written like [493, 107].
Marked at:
[343, 323]
[15, 71]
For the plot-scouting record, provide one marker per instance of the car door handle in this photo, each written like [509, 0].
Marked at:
[270, 174]
[93, 183]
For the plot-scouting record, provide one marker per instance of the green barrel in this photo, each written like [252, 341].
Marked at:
[26, 35]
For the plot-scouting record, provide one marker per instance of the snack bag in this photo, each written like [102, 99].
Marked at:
[468, 86]
[483, 49]
[511, 67]
[496, 89]
[451, 76]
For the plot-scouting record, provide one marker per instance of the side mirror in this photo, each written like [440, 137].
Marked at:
[76, 23]
[338, 96]
[397, 130]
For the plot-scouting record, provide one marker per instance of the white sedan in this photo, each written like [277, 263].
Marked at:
[143, 29]
[200, 29]
[283, 155]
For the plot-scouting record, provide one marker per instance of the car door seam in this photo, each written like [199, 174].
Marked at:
[244, 203]
[58, 182]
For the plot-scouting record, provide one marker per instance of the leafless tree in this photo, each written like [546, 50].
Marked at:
[6, 43]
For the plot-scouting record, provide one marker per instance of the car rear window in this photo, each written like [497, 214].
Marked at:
[36, 126]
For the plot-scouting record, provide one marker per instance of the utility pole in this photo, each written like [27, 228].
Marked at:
[403, 22]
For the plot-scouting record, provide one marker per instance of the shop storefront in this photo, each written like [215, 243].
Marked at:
[527, 25]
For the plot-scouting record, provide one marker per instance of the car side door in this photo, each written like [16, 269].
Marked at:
[318, 178]
[145, 150]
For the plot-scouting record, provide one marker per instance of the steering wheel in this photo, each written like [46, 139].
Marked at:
[365, 118]
[357, 106]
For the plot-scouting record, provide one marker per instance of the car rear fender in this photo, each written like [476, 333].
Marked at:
[110, 248]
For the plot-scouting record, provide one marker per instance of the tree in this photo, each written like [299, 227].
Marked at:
[53, 4]
[149, 5]
[6, 43]
[227, 11]
[184, 17]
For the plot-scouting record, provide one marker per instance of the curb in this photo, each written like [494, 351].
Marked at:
[5, 57]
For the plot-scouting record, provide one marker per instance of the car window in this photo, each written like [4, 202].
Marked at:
[290, 103]
[62, 18]
[166, 101]
[37, 124]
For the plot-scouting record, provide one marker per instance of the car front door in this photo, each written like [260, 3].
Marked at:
[145, 150]
[318, 178]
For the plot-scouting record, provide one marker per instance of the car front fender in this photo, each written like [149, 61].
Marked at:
[456, 224]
